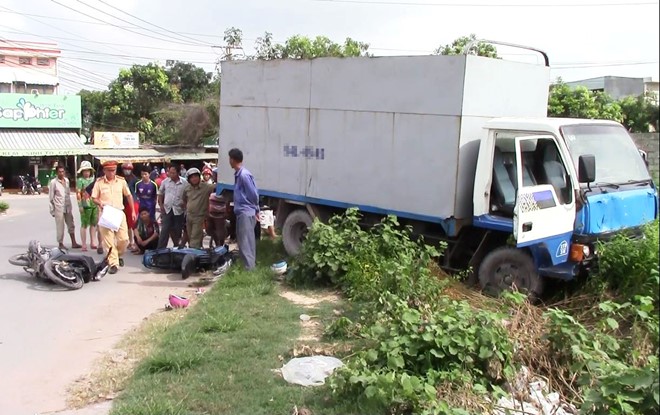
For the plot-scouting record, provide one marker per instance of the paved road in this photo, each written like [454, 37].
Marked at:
[48, 336]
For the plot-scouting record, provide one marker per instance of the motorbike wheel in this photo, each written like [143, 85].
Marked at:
[24, 190]
[20, 260]
[61, 273]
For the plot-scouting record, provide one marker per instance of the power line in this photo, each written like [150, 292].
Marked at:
[149, 23]
[527, 5]
[55, 27]
[109, 43]
[120, 27]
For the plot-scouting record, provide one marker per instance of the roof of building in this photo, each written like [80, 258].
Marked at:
[24, 48]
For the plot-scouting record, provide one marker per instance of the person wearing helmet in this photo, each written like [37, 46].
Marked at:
[196, 201]
[207, 175]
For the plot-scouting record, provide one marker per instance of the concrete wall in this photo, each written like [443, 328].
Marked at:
[649, 142]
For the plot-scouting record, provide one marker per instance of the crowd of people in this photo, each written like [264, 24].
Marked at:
[173, 203]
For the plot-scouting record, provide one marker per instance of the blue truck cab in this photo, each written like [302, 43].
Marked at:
[556, 187]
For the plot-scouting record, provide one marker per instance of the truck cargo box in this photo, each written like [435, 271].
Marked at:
[388, 134]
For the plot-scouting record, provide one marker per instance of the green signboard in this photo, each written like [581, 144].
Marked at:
[40, 111]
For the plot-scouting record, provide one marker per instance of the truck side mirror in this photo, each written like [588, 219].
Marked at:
[645, 157]
[587, 168]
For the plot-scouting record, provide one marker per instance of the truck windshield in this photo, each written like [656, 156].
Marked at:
[617, 158]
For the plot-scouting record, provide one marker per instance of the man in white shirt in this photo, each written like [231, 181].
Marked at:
[170, 200]
[59, 196]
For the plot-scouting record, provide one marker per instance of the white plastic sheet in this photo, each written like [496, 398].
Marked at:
[111, 218]
[310, 371]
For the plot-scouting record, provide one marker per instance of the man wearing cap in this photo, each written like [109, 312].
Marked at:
[89, 214]
[196, 201]
[110, 190]
[59, 196]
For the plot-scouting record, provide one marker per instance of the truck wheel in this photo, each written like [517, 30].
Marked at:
[505, 267]
[294, 231]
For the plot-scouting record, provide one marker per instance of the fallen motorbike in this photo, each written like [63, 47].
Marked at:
[29, 185]
[68, 270]
[190, 260]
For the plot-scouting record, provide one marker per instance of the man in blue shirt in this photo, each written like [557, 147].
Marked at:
[246, 208]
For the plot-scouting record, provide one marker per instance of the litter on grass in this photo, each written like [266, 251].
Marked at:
[310, 371]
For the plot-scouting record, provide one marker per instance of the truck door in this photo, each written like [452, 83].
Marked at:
[545, 205]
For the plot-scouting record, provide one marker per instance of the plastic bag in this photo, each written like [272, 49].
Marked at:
[310, 371]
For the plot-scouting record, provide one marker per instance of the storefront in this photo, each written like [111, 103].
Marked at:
[124, 147]
[36, 132]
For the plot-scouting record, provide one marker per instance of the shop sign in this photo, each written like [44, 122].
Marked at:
[40, 111]
[111, 140]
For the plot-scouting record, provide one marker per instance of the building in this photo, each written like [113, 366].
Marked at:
[36, 131]
[651, 87]
[28, 67]
[618, 86]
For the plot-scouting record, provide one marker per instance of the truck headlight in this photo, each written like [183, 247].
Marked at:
[586, 251]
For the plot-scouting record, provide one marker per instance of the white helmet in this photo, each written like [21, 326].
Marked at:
[192, 171]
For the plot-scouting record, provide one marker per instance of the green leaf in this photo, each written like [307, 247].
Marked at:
[430, 390]
[612, 323]
[410, 317]
[395, 361]
[371, 391]
[485, 352]
[372, 355]
[406, 384]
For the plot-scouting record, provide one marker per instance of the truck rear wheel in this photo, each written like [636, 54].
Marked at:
[509, 268]
[294, 230]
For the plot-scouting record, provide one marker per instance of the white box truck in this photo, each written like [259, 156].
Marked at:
[459, 147]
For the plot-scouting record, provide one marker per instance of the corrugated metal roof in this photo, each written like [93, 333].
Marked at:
[180, 155]
[37, 142]
[134, 155]
[144, 155]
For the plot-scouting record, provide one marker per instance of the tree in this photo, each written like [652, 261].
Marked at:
[303, 47]
[135, 97]
[639, 113]
[580, 102]
[457, 46]
[191, 81]
[93, 109]
[233, 41]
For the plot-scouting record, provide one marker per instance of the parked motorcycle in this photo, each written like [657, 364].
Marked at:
[1, 188]
[29, 185]
[68, 270]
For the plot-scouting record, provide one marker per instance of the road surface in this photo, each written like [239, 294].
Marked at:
[49, 336]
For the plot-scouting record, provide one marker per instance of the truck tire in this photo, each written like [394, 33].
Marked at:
[294, 230]
[505, 267]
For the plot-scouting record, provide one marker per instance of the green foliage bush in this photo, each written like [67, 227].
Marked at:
[415, 349]
[630, 266]
[3, 206]
[366, 263]
[423, 352]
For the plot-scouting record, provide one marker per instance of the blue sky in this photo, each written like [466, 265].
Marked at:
[583, 41]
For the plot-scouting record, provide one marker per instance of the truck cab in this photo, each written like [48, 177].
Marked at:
[557, 186]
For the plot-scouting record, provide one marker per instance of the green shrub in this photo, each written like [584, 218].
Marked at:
[630, 266]
[417, 349]
[612, 368]
[366, 263]
[3, 206]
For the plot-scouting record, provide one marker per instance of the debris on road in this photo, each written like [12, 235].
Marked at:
[310, 371]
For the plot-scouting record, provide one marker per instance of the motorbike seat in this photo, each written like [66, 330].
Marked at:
[88, 261]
